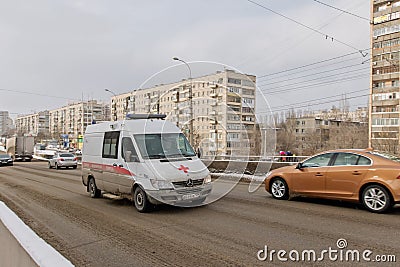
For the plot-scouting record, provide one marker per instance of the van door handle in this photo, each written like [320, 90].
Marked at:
[356, 173]
[121, 165]
[115, 165]
[319, 174]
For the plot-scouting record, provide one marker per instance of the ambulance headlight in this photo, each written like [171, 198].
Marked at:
[207, 180]
[161, 184]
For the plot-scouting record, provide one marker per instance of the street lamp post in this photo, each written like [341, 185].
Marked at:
[114, 108]
[190, 100]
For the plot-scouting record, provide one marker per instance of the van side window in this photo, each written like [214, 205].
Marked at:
[110, 145]
[128, 150]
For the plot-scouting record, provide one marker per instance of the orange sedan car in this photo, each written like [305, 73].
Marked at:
[369, 177]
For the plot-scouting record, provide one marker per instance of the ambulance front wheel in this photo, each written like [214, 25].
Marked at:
[142, 204]
[92, 188]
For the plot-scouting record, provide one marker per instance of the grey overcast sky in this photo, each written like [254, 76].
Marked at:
[55, 51]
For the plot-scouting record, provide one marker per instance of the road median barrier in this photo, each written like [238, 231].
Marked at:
[23, 247]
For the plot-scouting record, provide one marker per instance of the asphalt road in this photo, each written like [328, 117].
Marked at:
[229, 232]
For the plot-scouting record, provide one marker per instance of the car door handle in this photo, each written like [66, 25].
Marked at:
[356, 173]
[319, 174]
[118, 165]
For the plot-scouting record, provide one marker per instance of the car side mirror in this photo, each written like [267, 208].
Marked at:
[299, 166]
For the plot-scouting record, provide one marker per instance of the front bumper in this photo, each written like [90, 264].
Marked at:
[6, 163]
[178, 196]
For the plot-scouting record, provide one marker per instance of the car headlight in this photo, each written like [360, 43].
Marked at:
[207, 180]
[161, 184]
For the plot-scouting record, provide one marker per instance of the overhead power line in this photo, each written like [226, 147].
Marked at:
[310, 64]
[327, 36]
[38, 94]
[344, 11]
[321, 103]
[311, 104]
[308, 75]
[306, 70]
[318, 99]
[321, 79]
[283, 90]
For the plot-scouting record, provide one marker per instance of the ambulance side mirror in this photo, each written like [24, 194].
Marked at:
[134, 158]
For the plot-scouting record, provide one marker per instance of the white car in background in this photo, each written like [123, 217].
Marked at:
[65, 160]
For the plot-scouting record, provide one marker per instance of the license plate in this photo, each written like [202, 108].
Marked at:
[190, 196]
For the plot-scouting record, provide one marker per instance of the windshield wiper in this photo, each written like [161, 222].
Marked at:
[158, 156]
[189, 155]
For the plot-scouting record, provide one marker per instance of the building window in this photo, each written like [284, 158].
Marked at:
[385, 122]
[234, 90]
[247, 83]
[234, 81]
[247, 92]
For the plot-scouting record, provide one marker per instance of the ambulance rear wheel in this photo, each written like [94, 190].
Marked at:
[140, 200]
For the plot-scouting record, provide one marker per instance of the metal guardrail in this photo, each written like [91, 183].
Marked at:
[256, 158]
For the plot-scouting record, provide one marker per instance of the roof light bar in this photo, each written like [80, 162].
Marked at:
[145, 116]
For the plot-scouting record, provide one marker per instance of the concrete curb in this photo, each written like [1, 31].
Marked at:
[38, 250]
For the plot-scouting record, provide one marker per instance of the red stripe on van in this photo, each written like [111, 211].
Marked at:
[106, 168]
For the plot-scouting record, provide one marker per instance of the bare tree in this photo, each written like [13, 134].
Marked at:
[348, 135]
[285, 137]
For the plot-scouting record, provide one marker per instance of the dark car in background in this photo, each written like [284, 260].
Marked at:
[6, 160]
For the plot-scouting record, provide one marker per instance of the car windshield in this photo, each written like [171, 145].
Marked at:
[166, 145]
[67, 155]
[385, 155]
[4, 156]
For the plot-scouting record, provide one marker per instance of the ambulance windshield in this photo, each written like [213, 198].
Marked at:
[166, 145]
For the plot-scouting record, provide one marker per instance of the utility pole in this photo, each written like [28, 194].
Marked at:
[190, 100]
[215, 109]
[115, 104]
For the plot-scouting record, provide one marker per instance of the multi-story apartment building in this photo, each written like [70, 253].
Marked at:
[71, 121]
[308, 133]
[6, 122]
[222, 110]
[385, 87]
[315, 133]
[358, 115]
[35, 124]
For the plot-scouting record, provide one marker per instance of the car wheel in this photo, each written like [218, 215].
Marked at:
[376, 199]
[50, 165]
[74, 167]
[279, 189]
[140, 200]
[94, 192]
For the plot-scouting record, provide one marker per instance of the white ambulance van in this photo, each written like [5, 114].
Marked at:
[146, 159]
